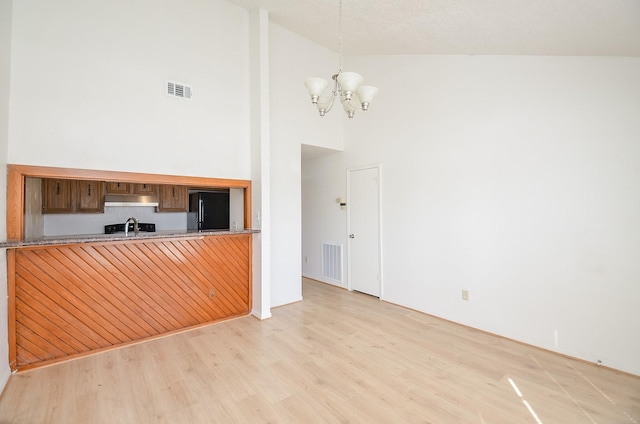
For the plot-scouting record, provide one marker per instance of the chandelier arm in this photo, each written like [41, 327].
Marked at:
[337, 90]
[358, 106]
[333, 100]
[335, 93]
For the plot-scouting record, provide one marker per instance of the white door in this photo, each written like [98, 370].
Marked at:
[363, 205]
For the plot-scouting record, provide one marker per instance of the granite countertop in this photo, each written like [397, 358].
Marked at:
[93, 238]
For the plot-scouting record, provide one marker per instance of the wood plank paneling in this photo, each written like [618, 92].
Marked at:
[73, 299]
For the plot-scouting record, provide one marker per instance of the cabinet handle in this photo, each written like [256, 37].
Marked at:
[174, 191]
[57, 188]
[89, 189]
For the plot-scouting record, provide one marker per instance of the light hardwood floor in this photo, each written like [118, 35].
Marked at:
[336, 357]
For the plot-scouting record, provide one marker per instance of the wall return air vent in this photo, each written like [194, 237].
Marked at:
[332, 262]
[177, 89]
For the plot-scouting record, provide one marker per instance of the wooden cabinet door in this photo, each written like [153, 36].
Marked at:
[57, 196]
[90, 196]
[173, 198]
[147, 189]
[117, 188]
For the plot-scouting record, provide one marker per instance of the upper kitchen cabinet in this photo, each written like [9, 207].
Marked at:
[131, 188]
[118, 188]
[70, 196]
[173, 198]
[57, 196]
[148, 189]
[89, 196]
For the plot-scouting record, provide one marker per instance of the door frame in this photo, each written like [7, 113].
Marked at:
[377, 166]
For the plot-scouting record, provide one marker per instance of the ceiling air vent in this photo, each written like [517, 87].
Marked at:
[176, 89]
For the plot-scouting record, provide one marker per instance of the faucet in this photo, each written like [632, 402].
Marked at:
[135, 226]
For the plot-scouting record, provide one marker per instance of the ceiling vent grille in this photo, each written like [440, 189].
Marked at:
[176, 89]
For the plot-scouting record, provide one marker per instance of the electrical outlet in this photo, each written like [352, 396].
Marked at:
[306, 259]
[212, 293]
[465, 295]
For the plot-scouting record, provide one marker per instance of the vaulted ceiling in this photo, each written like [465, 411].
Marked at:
[467, 27]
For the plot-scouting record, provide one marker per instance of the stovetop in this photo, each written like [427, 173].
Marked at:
[117, 228]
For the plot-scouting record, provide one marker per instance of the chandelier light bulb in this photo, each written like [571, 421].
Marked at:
[366, 93]
[349, 82]
[325, 102]
[315, 86]
[349, 108]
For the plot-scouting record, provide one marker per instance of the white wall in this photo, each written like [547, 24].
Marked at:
[516, 178]
[260, 157]
[294, 121]
[236, 209]
[5, 78]
[323, 221]
[88, 83]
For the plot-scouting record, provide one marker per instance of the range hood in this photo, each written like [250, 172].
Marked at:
[130, 200]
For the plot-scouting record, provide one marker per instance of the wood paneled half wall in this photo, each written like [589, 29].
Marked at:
[70, 300]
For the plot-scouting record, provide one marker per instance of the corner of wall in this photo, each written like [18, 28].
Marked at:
[260, 161]
[5, 78]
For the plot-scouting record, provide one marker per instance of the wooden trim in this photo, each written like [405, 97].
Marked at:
[15, 203]
[137, 177]
[247, 207]
[16, 175]
[11, 297]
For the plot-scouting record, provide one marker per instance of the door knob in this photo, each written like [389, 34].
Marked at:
[352, 236]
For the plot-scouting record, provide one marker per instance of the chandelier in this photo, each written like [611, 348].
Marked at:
[347, 85]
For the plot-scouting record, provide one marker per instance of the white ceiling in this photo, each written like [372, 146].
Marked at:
[310, 152]
[482, 27]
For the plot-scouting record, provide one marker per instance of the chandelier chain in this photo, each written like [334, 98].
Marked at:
[340, 35]
[347, 86]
